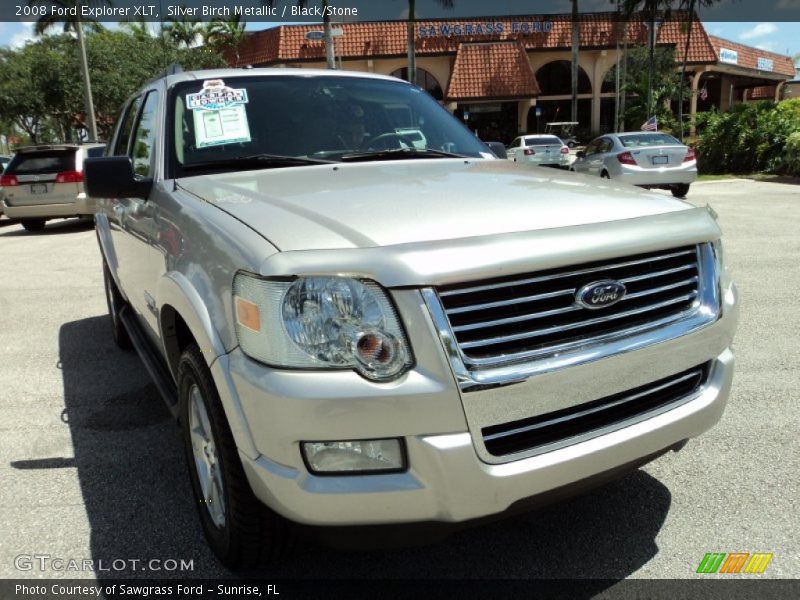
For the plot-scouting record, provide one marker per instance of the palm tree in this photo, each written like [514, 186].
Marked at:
[410, 25]
[73, 24]
[183, 31]
[651, 8]
[139, 29]
[226, 34]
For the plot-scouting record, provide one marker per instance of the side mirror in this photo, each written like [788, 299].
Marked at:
[580, 154]
[112, 177]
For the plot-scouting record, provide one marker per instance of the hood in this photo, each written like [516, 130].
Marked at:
[362, 205]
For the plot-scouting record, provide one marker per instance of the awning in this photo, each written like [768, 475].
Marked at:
[492, 71]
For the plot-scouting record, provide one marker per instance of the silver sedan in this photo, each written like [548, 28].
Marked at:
[648, 159]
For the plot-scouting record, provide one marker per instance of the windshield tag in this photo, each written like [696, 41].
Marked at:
[225, 126]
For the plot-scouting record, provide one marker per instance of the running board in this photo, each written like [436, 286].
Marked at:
[152, 360]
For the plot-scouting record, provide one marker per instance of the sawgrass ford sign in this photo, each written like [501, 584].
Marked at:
[483, 28]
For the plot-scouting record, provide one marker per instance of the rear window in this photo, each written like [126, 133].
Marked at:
[648, 139]
[542, 140]
[46, 161]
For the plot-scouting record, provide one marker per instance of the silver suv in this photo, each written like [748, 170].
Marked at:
[46, 182]
[354, 330]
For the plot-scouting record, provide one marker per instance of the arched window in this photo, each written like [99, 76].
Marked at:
[555, 79]
[424, 80]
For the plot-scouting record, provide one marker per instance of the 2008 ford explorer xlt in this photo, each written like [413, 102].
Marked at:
[361, 318]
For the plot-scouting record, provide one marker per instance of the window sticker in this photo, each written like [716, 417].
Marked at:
[219, 114]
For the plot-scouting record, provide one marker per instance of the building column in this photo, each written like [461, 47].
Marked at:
[523, 108]
[693, 102]
[597, 86]
[778, 88]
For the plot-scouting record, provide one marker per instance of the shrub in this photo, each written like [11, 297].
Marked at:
[748, 138]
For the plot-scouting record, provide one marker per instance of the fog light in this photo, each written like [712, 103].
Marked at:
[354, 457]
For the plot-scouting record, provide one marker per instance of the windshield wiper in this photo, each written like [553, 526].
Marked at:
[255, 161]
[399, 153]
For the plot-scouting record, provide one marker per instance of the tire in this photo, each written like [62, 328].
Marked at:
[33, 224]
[115, 303]
[605, 175]
[680, 190]
[241, 531]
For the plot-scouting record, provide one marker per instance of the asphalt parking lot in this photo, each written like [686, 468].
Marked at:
[91, 466]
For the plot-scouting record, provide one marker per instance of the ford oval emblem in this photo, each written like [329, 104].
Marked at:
[600, 294]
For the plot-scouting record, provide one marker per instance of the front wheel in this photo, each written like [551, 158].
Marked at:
[680, 190]
[605, 175]
[33, 224]
[241, 531]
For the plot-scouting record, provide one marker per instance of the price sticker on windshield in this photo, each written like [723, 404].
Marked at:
[219, 114]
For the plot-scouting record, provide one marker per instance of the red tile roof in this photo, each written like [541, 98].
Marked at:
[748, 56]
[492, 70]
[287, 43]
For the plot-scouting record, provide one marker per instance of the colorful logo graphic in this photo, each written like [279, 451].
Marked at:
[734, 562]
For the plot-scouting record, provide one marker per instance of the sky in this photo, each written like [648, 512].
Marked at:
[782, 37]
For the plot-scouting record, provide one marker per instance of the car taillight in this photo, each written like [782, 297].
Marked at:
[8, 181]
[564, 150]
[69, 177]
[689, 155]
[529, 152]
[626, 158]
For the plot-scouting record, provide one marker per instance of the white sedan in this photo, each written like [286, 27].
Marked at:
[647, 159]
[546, 150]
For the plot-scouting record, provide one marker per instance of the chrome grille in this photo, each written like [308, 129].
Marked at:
[593, 418]
[526, 316]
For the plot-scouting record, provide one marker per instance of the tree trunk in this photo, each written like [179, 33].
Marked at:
[651, 43]
[683, 68]
[576, 34]
[412, 59]
[330, 58]
[87, 85]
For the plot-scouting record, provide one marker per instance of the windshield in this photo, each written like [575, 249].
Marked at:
[542, 140]
[648, 139]
[42, 162]
[309, 119]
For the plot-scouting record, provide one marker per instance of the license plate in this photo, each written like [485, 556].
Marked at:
[38, 188]
[660, 160]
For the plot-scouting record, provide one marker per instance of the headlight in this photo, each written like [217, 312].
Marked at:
[320, 322]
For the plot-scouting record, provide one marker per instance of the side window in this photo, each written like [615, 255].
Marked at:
[515, 143]
[143, 147]
[124, 135]
[95, 152]
[605, 145]
[592, 147]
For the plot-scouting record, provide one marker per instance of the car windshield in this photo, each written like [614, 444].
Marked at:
[640, 140]
[292, 120]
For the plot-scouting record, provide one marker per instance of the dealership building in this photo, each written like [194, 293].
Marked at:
[511, 75]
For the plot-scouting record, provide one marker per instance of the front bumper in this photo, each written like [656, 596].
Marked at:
[447, 480]
[82, 206]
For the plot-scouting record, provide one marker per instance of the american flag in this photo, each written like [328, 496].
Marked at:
[650, 125]
[704, 93]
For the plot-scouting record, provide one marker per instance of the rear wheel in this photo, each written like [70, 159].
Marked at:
[680, 190]
[605, 175]
[241, 531]
[115, 304]
[33, 224]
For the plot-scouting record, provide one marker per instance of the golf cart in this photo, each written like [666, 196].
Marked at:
[565, 130]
